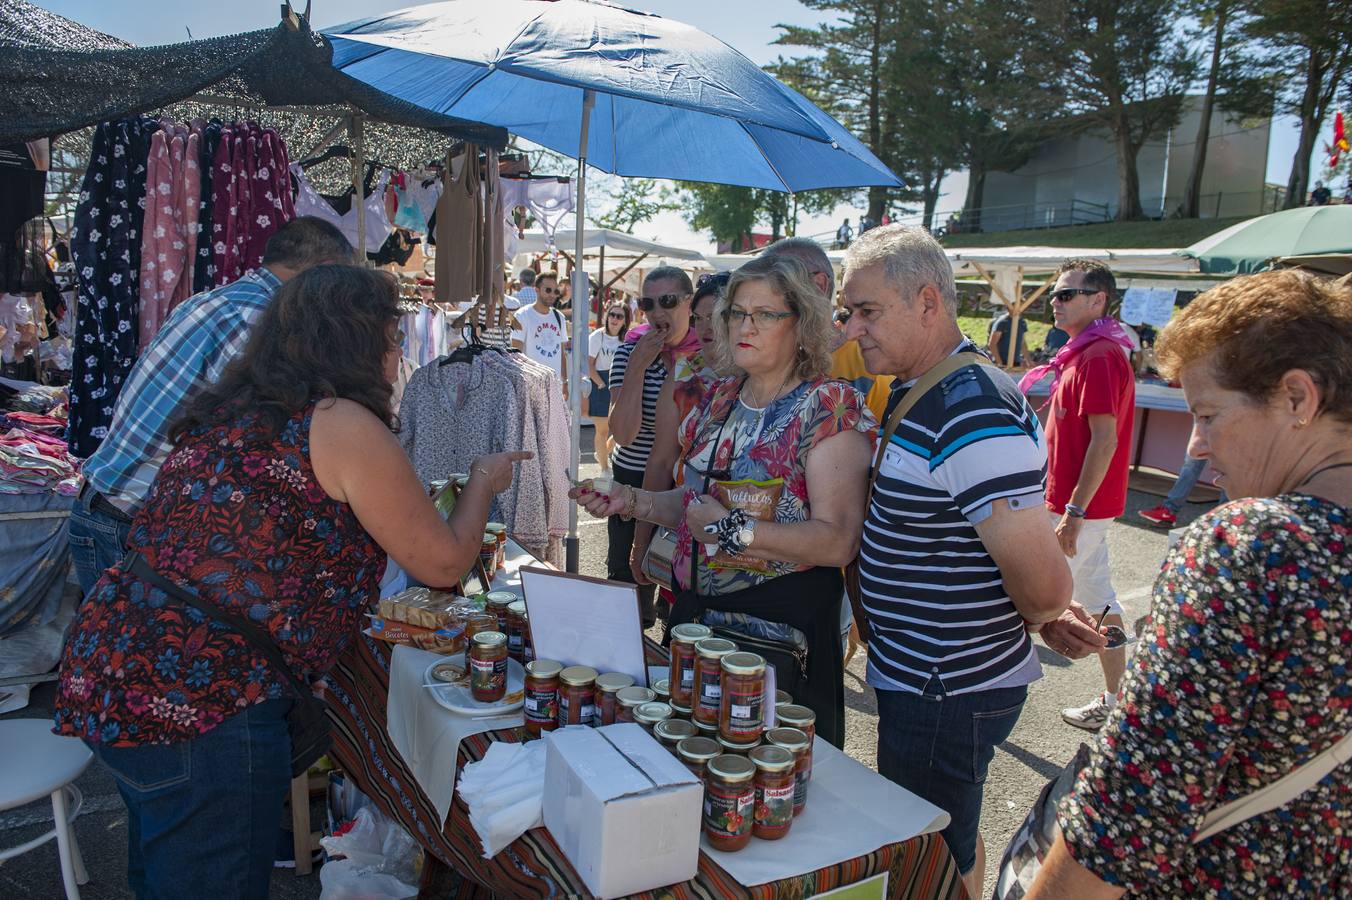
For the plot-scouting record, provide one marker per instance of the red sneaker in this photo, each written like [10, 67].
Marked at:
[1160, 515]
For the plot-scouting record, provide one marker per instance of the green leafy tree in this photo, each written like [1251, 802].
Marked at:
[729, 212]
[638, 200]
[1124, 68]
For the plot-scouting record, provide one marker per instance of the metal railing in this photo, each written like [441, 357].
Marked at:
[1012, 216]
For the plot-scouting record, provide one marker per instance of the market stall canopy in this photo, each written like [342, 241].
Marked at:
[1325, 264]
[1043, 260]
[670, 100]
[616, 244]
[1254, 244]
[32, 26]
[54, 89]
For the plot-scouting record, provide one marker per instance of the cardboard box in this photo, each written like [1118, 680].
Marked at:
[624, 810]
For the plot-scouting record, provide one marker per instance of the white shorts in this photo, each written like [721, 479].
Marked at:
[1089, 568]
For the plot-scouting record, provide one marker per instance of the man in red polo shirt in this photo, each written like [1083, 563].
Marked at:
[1089, 426]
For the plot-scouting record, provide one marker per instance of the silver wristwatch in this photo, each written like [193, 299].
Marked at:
[747, 533]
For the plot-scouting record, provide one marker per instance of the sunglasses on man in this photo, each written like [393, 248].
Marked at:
[666, 301]
[1065, 295]
[548, 290]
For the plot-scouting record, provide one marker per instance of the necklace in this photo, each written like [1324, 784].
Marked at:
[1320, 471]
[763, 405]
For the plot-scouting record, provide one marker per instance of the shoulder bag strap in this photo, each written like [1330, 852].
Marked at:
[256, 637]
[1279, 793]
[923, 386]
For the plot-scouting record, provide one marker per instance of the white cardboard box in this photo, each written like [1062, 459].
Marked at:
[624, 810]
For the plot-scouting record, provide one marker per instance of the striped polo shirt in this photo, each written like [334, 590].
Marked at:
[634, 456]
[936, 603]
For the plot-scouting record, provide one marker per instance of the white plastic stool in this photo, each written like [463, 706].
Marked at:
[40, 764]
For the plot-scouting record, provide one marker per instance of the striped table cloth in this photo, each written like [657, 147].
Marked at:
[534, 866]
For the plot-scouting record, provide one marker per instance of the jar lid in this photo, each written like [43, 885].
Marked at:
[771, 759]
[544, 668]
[634, 695]
[690, 632]
[697, 749]
[651, 713]
[613, 681]
[715, 648]
[490, 537]
[709, 728]
[496, 528]
[501, 598]
[578, 676]
[744, 664]
[795, 715]
[731, 767]
[674, 730]
[517, 607]
[678, 709]
[735, 747]
[480, 615]
[791, 739]
[490, 639]
[662, 687]
[782, 697]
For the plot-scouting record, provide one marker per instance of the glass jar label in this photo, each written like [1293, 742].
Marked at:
[727, 811]
[774, 806]
[514, 641]
[745, 711]
[710, 689]
[542, 705]
[800, 789]
[687, 672]
[488, 675]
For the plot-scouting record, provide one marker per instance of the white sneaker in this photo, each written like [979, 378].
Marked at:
[1092, 715]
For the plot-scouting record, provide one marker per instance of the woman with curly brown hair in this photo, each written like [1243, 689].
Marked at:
[283, 493]
[1238, 699]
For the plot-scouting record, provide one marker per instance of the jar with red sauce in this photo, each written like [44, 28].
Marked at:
[709, 653]
[488, 667]
[796, 742]
[671, 732]
[681, 677]
[516, 630]
[496, 602]
[794, 715]
[695, 753]
[774, 792]
[629, 699]
[649, 714]
[478, 622]
[741, 714]
[542, 696]
[577, 695]
[729, 802]
[607, 686]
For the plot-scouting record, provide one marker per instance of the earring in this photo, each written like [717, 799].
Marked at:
[1301, 423]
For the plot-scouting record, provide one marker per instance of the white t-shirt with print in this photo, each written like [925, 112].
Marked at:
[543, 335]
[601, 347]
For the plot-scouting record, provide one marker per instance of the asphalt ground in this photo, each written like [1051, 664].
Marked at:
[1040, 745]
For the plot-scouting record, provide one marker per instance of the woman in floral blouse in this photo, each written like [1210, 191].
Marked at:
[1243, 674]
[284, 491]
[776, 462]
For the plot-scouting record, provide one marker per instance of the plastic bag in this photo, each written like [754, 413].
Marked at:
[380, 860]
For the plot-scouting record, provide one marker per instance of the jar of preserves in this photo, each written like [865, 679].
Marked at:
[681, 676]
[488, 666]
[797, 743]
[774, 792]
[477, 622]
[650, 713]
[488, 554]
[542, 696]
[629, 699]
[527, 644]
[516, 630]
[734, 747]
[729, 802]
[680, 712]
[671, 732]
[662, 688]
[707, 729]
[782, 697]
[794, 715]
[695, 753]
[708, 685]
[577, 687]
[499, 531]
[741, 715]
[607, 686]
[496, 602]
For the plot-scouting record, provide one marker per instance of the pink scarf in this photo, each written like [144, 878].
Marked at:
[1106, 328]
[688, 346]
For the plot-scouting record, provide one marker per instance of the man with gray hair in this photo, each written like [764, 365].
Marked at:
[527, 294]
[958, 561]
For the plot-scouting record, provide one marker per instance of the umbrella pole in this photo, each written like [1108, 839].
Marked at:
[579, 354]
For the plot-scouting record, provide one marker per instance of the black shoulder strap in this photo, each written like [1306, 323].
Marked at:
[256, 637]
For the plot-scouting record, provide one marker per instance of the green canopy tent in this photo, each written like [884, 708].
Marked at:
[1255, 244]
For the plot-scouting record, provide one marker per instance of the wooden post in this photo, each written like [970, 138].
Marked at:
[356, 129]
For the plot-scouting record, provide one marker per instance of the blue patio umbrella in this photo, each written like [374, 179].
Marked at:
[628, 92]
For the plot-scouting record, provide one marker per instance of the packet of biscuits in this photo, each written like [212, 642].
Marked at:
[422, 607]
[437, 640]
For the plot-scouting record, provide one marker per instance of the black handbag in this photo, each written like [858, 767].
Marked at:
[307, 722]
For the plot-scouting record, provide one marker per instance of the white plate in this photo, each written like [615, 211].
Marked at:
[458, 699]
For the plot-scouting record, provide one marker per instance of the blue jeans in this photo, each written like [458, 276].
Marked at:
[203, 815]
[940, 748]
[1183, 485]
[97, 541]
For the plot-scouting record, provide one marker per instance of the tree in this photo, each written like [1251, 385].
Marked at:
[1213, 13]
[1304, 60]
[638, 200]
[1122, 68]
[729, 212]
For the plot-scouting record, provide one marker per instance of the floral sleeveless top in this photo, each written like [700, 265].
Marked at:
[236, 516]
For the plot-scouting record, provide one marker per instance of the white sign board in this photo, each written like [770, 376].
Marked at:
[1149, 306]
[581, 621]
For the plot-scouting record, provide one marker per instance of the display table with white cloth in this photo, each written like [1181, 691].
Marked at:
[369, 729]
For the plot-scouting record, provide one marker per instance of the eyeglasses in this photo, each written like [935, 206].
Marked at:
[762, 318]
[842, 316]
[615, 315]
[1065, 295]
[666, 301]
[547, 290]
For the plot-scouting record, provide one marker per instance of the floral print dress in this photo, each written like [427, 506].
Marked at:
[236, 516]
[1244, 678]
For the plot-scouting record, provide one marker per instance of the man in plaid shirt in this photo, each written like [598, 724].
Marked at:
[189, 353]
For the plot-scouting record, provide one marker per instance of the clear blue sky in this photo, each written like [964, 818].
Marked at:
[747, 25]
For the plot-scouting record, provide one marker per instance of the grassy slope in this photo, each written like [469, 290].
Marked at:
[978, 327]
[1169, 233]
